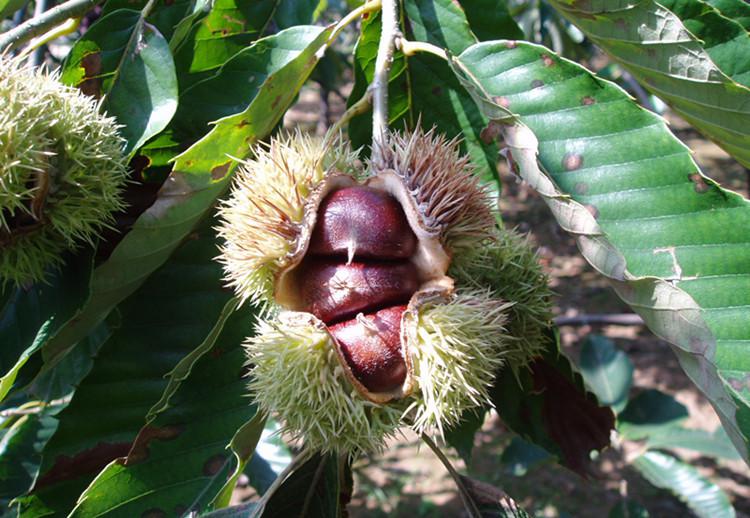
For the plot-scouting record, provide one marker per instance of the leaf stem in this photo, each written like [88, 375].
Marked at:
[367, 7]
[469, 504]
[305, 455]
[68, 26]
[41, 24]
[379, 86]
[409, 48]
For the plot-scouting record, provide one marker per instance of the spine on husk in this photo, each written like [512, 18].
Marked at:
[367, 328]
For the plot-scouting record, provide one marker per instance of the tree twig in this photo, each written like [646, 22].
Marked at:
[379, 86]
[469, 504]
[41, 24]
[622, 319]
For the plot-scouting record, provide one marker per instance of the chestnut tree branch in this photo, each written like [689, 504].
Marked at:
[41, 24]
[379, 86]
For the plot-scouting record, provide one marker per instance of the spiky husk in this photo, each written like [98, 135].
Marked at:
[261, 220]
[61, 170]
[450, 196]
[297, 376]
[459, 347]
[510, 268]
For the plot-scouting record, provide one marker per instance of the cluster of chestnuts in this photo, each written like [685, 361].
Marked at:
[391, 297]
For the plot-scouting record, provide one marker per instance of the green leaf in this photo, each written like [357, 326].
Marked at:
[127, 61]
[671, 240]
[702, 75]
[321, 487]
[20, 453]
[271, 457]
[436, 95]
[651, 412]
[608, 371]
[165, 15]
[162, 322]
[461, 436]
[628, 509]
[8, 7]
[548, 405]
[31, 314]
[737, 10]
[716, 444]
[702, 496]
[180, 460]
[238, 80]
[243, 445]
[295, 12]
[520, 456]
[229, 26]
[491, 20]
[200, 175]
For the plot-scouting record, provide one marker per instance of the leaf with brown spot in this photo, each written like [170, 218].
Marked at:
[672, 241]
[180, 457]
[127, 61]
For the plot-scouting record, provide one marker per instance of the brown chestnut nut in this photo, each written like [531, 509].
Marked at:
[371, 345]
[333, 290]
[361, 222]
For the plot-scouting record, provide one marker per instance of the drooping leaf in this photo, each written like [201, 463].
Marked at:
[651, 412]
[180, 457]
[159, 324]
[607, 371]
[319, 488]
[703, 497]
[127, 61]
[200, 175]
[548, 405]
[702, 75]
[670, 239]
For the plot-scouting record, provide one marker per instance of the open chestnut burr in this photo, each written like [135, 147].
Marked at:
[365, 330]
